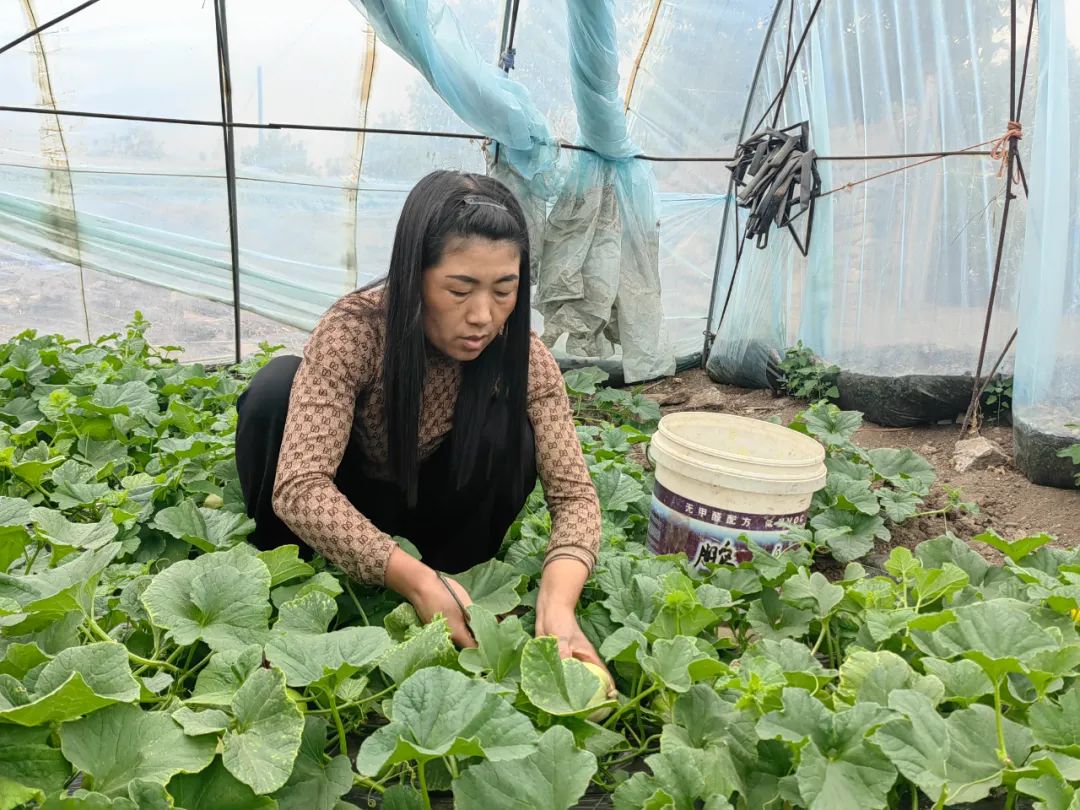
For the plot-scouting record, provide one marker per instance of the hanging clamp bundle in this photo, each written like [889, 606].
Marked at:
[776, 179]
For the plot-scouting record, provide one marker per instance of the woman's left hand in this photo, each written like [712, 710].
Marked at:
[573, 643]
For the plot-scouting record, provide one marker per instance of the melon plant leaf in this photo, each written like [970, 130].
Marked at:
[285, 565]
[616, 490]
[401, 797]
[813, 592]
[54, 528]
[553, 777]
[216, 789]
[583, 381]
[314, 783]
[261, 749]
[206, 529]
[1015, 550]
[122, 743]
[493, 585]
[302, 648]
[964, 680]
[932, 584]
[14, 795]
[27, 759]
[849, 535]
[499, 647]
[771, 618]
[134, 398]
[953, 758]
[430, 647]
[898, 505]
[1058, 724]
[830, 425]
[221, 598]
[75, 486]
[563, 687]
[903, 468]
[79, 680]
[224, 675]
[998, 635]
[850, 494]
[438, 712]
[210, 721]
[676, 663]
[870, 677]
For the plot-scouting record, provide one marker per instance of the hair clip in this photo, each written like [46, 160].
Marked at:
[478, 199]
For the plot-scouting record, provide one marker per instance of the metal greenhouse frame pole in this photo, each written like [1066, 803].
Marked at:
[225, 79]
[707, 345]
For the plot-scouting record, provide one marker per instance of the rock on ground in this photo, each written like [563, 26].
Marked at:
[978, 453]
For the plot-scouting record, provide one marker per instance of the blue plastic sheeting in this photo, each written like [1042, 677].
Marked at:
[1046, 391]
[900, 267]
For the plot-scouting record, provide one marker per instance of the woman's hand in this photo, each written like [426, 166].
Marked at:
[572, 641]
[560, 588]
[421, 585]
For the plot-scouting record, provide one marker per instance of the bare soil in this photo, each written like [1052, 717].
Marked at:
[1007, 502]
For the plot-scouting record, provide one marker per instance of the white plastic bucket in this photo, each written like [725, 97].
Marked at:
[723, 479]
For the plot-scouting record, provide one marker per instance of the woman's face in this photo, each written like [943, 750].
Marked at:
[469, 295]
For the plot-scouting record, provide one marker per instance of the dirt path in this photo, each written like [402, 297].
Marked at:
[1008, 503]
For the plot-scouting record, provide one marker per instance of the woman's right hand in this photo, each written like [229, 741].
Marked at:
[421, 585]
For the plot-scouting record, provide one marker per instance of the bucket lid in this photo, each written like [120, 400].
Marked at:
[741, 448]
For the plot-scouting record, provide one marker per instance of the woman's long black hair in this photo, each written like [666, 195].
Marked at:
[442, 207]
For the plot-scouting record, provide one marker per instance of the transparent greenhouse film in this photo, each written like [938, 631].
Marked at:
[1047, 384]
[896, 284]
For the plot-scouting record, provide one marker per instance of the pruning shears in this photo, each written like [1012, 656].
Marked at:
[454, 596]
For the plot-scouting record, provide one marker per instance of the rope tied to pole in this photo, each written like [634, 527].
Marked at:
[1001, 147]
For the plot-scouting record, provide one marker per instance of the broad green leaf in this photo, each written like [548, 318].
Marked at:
[1053, 792]
[14, 795]
[948, 549]
[998, 635]
[500, 644]
[952, 758]
[195, 723]
[676, 663]
[1058, 724]
[216, 789]
[302, 648]
[75, 486]
[964, 680]
[220, 598]
[616, 490]
[897, 504]
[622, 645]
[553, 777]
[884, 624]
[812, 592]
[315, 784]
[493, 585]
[682, 778]
[262, 747]
[431, 647]
[438, 712]
[26, 758]
[831, 426]
[932, 584]
[323, 582]
[838, 768]
[850, 494]
[224, 675]
[849, 535]
[402, 797]
[284, 564]
[903, 468]
[771, 618]
[67, 587]
[58, 530]
[131, 398]
[1015, 550]
[794, 660]
[870, 677]
[206, 529]
[79, 680]
[563, 687]
[583, 381]
[122, 743]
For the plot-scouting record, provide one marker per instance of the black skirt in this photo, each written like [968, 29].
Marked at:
[454, 528]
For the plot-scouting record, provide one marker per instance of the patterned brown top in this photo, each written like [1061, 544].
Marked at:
[338, 389]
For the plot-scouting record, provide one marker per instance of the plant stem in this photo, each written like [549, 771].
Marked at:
[363, 781]
[914, 796]
[1003, 752]
[356, 603]
[33, 558]
[96, 630]
[821, 636]
[610, 722]
[423, 786]
[337, 722]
